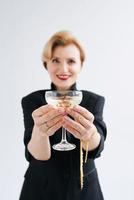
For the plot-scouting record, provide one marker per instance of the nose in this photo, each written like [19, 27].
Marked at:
[64, 67]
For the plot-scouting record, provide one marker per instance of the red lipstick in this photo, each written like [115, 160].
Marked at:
[63, 77]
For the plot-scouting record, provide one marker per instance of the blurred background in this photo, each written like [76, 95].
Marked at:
[106, 30]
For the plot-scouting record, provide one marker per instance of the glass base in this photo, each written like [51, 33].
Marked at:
[64, 146]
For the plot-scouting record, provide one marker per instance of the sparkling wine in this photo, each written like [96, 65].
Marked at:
[68, 98]
[65, 102]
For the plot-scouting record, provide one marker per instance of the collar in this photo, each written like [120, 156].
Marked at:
[73, 87]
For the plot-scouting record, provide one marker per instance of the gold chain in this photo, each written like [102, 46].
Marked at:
[81, 161]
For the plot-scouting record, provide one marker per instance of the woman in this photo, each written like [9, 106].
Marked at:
[56, 174]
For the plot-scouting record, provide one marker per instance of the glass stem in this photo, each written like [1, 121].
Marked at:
[63, 135]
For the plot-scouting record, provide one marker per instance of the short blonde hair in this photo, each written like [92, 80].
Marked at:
[61, 38]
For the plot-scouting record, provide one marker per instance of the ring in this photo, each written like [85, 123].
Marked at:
[46, 124]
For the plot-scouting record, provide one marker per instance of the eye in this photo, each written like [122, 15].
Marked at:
[55, 60]
[71, 61]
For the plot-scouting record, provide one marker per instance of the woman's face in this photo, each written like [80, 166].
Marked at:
[64, 66]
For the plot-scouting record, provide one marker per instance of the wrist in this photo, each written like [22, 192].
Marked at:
[38, 135]
[93, 141]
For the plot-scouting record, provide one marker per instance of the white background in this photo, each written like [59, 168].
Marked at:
[106, 30]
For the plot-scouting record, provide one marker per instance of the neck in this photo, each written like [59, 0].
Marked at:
[54, 87]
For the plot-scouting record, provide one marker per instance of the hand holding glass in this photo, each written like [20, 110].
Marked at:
[64, 99]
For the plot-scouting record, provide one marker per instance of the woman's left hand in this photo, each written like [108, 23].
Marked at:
[82, 126]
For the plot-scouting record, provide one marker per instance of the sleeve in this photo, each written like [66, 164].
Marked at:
[101, 127]
[28, 107]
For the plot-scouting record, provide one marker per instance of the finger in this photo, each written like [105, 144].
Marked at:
[42, 110]
[83, 111]
[75, 125]
[48, 124]
[53, 121]
[47, 117]
[79, 118]
[42, 114]
[71, 130]
[54, 128]
[54, 113]
[90, 134]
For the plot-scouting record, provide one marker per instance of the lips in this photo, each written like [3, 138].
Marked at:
[63, 77]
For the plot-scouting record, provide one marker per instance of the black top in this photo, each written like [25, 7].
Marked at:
[59, 177]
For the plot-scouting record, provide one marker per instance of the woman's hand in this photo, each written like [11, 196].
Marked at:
[82, 126]
[48, 119]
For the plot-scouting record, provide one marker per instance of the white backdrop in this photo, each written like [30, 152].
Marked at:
[106, 30]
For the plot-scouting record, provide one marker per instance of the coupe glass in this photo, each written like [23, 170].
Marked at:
[68, 98]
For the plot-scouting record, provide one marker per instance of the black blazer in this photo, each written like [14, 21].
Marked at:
[59, 177]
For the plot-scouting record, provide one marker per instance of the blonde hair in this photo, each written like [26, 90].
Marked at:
[61, 38]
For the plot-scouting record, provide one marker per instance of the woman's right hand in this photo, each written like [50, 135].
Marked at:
[48, 119]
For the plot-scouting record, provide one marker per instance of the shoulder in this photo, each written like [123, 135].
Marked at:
[94, 96]
[92, 101]
[34, 94]
[36, 98]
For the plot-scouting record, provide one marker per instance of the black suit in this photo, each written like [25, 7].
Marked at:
[59, 177]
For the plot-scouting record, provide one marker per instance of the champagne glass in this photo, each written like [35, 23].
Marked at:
[68, 98]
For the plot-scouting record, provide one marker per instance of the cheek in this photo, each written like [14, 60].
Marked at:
[76, 70]
[51, 70]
